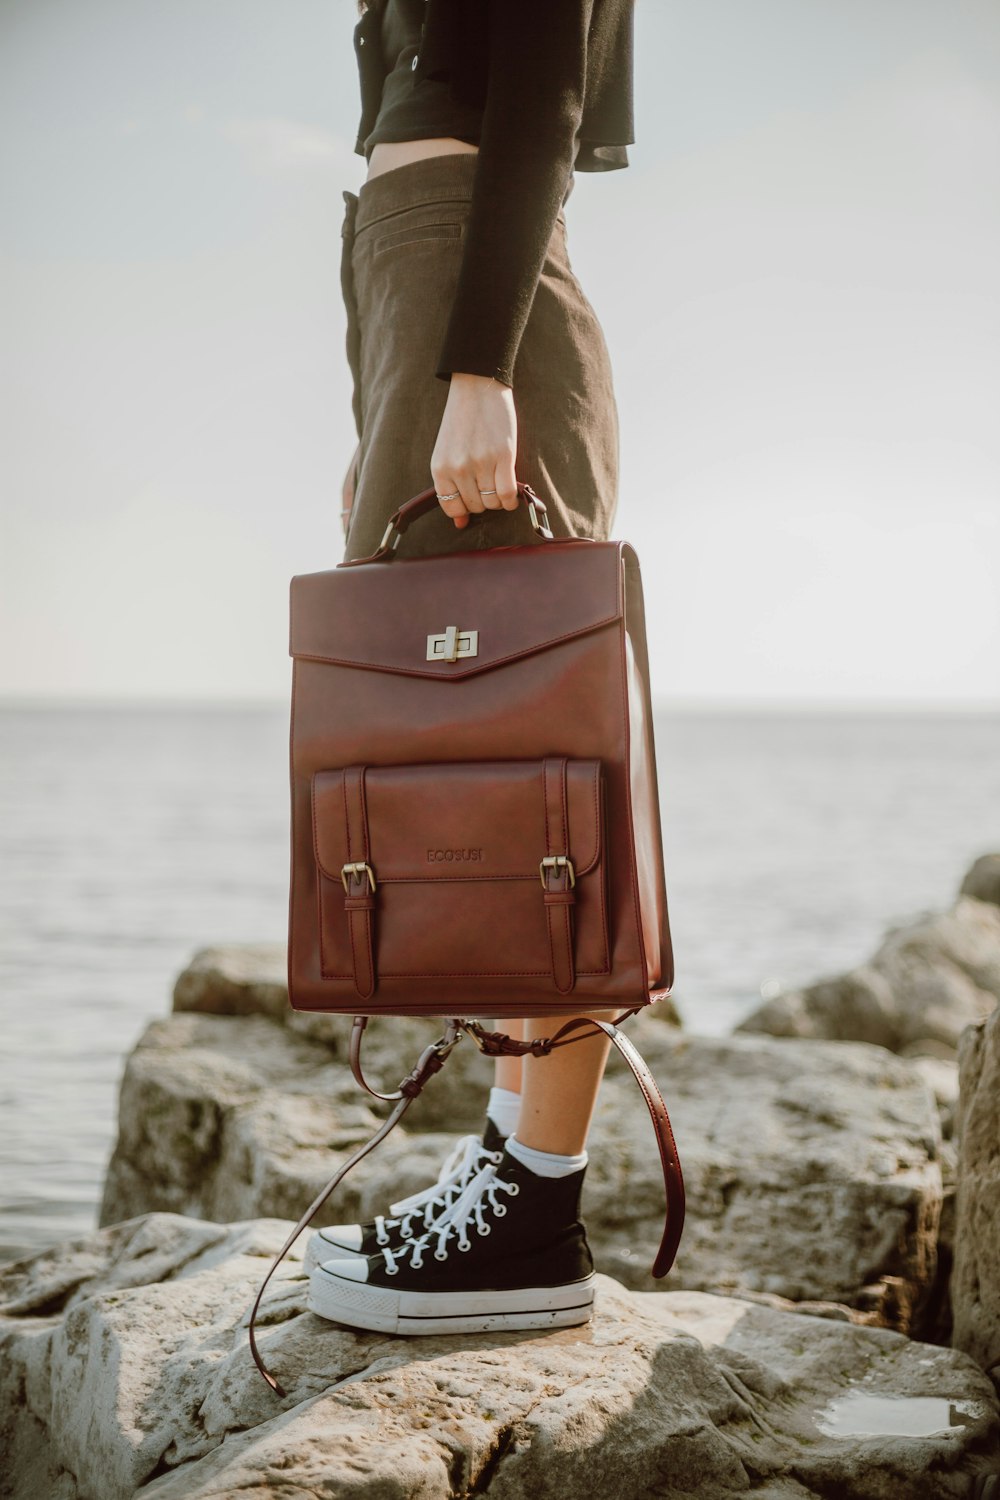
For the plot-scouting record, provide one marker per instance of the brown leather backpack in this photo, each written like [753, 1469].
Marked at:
[475, 821]
[475, 815]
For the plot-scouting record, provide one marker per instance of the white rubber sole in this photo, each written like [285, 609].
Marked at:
[383, 1310]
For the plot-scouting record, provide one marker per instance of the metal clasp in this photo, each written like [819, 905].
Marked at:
[358, 868]
[557, 862]
[452, 643]
[390, 535]
[539, 525]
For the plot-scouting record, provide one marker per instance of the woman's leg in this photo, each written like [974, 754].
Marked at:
[511, 1251]
[507, 1073]
[559, 1091]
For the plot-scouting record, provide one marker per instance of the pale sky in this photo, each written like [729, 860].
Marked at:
[797, 277]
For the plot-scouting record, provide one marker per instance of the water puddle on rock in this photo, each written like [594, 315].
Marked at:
[865, 1414]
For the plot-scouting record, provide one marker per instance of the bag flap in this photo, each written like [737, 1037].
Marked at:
[477, 820]
[516, 599]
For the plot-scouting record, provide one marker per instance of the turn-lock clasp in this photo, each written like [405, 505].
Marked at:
[452, 643]
[557, 862]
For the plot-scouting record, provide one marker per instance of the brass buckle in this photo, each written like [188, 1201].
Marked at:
[452, 643]
[557, 862]
[358, 868]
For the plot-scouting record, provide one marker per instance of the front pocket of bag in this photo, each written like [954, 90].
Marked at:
[455, 851]
[415, 234]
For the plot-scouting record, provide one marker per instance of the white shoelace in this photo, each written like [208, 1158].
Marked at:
[458, 1170]
[469, 1206]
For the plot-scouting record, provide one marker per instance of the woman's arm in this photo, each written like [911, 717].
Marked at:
[533, 109]
[534, 105]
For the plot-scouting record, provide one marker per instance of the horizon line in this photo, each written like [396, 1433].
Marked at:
[664, 703]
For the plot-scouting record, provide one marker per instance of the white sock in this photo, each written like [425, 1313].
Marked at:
[503, 1109]
[545, 1163]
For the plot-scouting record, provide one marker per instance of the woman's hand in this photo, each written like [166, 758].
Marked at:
[476, 447]
[347, 490]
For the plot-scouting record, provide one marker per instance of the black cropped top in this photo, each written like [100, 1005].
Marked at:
[410, 110]
[542, 87]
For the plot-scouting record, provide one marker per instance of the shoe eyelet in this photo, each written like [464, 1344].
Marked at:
[513, 1189]
[484, 1230]
[392, 1270]
[465, 1245]
[500, 1210]
[440, 1255]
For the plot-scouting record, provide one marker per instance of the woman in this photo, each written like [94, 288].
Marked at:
[476, 357]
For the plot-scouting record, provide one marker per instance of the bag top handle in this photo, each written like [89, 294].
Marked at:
[426, 501]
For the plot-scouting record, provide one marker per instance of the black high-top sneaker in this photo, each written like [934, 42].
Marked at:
[410, 1216]
[510, 1253]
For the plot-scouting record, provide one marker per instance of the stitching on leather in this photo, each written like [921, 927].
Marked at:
[498, 661]
[588, 864]
[315, 824]
[630, 822]
[545, 804]
[569, 948]
[673, 1189]
[597, 813]
[485, 974]
[627, 1044]
[532, 874]
[363, 804]
[558, 970]
[350, 914]
[369, 916]
[566, 850]
[476, 974]
[552, 951]
[327, 972]
[369, 956]
[602, 887]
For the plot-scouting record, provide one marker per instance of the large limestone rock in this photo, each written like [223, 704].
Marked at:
[982, 879]
[812, 1169]
[975, 1288]
[241, 979]
[126, 1374]
[926, 982]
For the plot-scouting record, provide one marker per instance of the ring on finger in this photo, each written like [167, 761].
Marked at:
[449, 497]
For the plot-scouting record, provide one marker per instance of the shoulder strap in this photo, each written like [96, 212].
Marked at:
[495, 1043]
[673, 1181]
[558, 878]
[431, 1061]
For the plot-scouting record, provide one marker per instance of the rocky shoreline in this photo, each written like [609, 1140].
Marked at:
[831, 1325]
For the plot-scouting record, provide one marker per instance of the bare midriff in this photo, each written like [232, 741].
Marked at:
[389, 154]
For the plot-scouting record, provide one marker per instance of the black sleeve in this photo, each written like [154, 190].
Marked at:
[534, 105]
